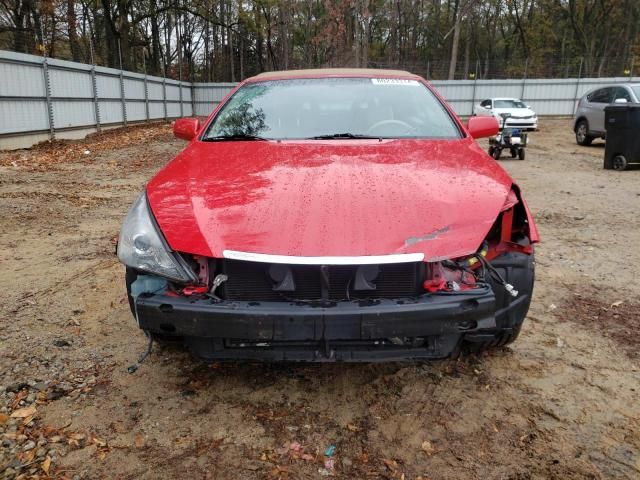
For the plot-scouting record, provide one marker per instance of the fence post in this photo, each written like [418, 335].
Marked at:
[122, 99]
[524, 79]
[475, 82]
[47, 90]
[146, 96]
[96, 104]
[164, 97]
[193, 100]
[575, 100]
[181, 107]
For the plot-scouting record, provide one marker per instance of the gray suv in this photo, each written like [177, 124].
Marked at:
[589, 119]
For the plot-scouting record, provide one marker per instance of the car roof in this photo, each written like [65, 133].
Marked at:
[332, 72]
[609, 85]
[504, 98]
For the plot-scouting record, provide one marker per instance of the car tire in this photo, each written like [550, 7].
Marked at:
[619, 163]
[582, 134]
[496, 153]
[518, 269]
[514, 153]
[521, 153]
[490, 151]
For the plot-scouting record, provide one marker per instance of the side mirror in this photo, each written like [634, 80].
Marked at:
[621, 100]
[186, 128]
[481, 127]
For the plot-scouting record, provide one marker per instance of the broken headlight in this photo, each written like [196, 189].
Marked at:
[141, 246]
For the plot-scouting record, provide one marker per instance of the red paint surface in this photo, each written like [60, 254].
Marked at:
[330, 198]
[316, 198]
[186, 128]
[482, 127]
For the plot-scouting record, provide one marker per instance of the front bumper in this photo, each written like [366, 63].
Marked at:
[429, 326]
[522, 123]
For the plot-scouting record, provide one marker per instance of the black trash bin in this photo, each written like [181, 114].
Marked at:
[622, 122]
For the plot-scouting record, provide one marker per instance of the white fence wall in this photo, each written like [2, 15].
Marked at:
[546, 96]
[44, 98]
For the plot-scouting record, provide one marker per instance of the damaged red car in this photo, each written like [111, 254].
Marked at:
[331, 215]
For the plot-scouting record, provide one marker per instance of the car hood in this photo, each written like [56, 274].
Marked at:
[516, 112]
[329, 198]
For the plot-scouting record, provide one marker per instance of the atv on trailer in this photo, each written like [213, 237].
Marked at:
[509, 138]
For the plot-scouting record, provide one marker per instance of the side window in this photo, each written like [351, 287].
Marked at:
[486, 104]
[622, 92]
[601, 96]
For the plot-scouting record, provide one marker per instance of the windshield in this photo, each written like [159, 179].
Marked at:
[636, 91]
[333, 108]
[508, 104]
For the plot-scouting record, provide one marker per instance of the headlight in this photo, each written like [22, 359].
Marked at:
[141, 246]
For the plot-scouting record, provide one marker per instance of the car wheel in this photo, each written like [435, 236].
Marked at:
[514, 153]
[517, 269]
[490, 151]
[582, 133]
[619, 163]
[496, 153]
[521, 153]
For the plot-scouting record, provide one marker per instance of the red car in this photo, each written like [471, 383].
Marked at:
[331, 215]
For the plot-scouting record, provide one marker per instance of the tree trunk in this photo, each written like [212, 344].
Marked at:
[72, 31]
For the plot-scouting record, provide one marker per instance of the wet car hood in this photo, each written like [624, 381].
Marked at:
[329, 198]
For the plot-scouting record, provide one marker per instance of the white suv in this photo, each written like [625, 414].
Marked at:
[589, 118]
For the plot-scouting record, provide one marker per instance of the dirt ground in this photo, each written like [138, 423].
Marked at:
[560, 403]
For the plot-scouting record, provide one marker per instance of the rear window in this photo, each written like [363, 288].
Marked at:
[636, 91]
[309, 108]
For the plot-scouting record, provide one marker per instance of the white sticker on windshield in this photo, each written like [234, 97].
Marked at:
[394, 81]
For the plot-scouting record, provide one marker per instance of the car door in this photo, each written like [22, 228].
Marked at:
[622, 93]
[596, 103]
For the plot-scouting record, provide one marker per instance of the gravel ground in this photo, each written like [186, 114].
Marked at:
[561, 403]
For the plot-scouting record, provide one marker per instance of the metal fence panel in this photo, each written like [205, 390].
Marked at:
[136, 111]
[21, 80]
[134, 89]
[71, 114]
[108, 86]
[70, 84]
[48, 96]
[110, 111]
[23, 115]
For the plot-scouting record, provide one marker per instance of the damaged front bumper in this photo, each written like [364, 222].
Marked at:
[429, 326]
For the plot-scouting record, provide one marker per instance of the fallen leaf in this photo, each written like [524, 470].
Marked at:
[18, 398]
[428, 448]
[3, 418]
[99, 442]
[28, 420]
[46, 465]
[391, 464]
[139, 440]
[24, 412]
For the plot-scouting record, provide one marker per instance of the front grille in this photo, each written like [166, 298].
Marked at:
[250, 281]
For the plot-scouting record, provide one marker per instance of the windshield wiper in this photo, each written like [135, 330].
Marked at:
[236, 137]
[343, 135]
